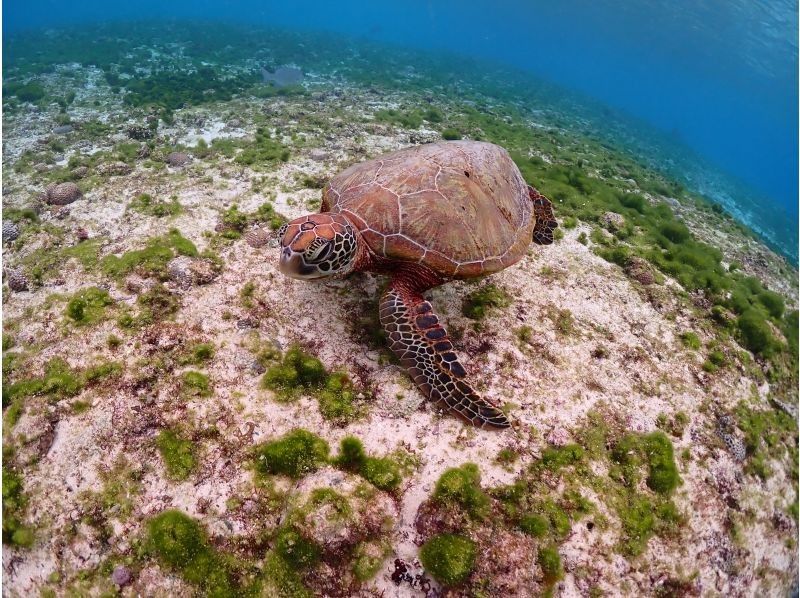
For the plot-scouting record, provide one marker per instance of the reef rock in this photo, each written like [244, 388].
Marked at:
[140, 133]
[612, 220]
[506, 564]
[640, 270]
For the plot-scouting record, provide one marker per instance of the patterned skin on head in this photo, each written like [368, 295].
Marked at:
[317, 245]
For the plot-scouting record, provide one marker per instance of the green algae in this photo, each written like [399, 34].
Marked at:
[298, 373]
[88, 306]
[181, 544]
[653, 450]
[195, 384]
[14, 505]
[409, 119]
[197, 354]
[294, 454]
[280, 579]
[690, 340]
[382, 472]
[152, 259]
[675, 424]
[479, 303]
[155, 305]
[263, 151]
[550, 562]
[506, 457]
[460, 487]
[368, 558]
[44, 263]
[173, 90]
[449, 558]
[451, 134]
[296, 551]
[122, 483]
[769, 435]
[535, 525]
[59, 381]
[531, 506]
[662, 475]
[246, 294]
[755, 332]
[146, 204]
[337, 399]
[177, 453]
[29, 92]
[555, 458]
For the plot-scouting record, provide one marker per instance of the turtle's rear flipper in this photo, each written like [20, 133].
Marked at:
[545, 220]
[421, 344]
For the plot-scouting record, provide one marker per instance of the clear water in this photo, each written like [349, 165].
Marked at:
[709, 86]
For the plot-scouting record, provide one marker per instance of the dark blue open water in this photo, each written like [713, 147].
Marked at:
[715, 79]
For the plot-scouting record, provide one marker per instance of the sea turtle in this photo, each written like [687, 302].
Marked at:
[423, 215]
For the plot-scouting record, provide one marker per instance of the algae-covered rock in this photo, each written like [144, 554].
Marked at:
[334, 533]
[336, 511]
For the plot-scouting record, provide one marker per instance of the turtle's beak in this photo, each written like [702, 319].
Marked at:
[293, 265]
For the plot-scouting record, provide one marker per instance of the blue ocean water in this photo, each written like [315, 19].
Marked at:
[716, 80]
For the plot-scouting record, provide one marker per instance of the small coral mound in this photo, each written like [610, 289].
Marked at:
[62, 194]
[10, 231]
[79, 172]
[256, 237]
[177, 159]
[115, 169]
[16, 279]
[188, 271]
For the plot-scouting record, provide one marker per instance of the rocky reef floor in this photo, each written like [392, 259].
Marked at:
[180, 418]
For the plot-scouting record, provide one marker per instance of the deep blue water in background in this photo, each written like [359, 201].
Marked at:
[719, 76]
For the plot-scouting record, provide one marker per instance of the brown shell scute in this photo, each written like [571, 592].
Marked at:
[460, 207]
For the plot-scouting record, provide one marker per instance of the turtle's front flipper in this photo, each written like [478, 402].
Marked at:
[421, 344]
[545, 219]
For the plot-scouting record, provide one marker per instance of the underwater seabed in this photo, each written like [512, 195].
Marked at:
[180, 418]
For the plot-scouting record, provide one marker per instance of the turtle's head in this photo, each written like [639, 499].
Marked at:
[317, 245]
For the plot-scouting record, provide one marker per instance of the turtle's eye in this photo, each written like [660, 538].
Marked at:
[318, 250]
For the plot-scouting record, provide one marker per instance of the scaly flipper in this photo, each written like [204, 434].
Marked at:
[545, 219]
[421, 344]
